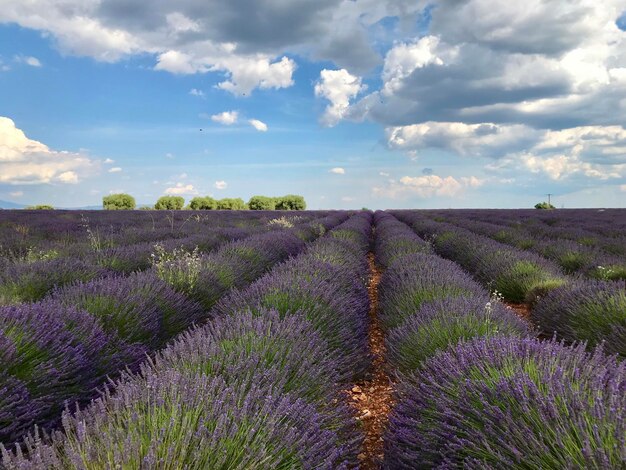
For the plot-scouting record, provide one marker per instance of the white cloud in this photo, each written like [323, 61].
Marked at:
[385, 174]
[196, 92]
[169, 155]
[347, 199]
[27, 161]
[541, 64]
[227, 118]
[486, 139]
[338, 171]
[181, 189]
[404, 58]
[427, 186]
[338, 87]
[244, 72]
[108, 161]
[115, 169]
[258, 125]
[221, 184]
[28, 60]
[247, 73]
[622, 187]
[594, 152]
[16, 193]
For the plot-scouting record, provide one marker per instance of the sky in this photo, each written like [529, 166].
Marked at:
[351, 103]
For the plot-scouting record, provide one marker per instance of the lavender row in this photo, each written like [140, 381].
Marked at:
[591, 226]
[575, 252]
[30, 279]
[516, 274]
[259, 387]
[64, 230]
[394, 239]
[477, 391]
[60, 233]
[511, 402]
[61, 349]
[593, 311]
[586, 310]
[428, 303]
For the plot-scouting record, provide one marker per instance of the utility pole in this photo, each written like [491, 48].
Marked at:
[549, 194]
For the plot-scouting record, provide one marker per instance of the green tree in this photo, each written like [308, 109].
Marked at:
[118, 202]
[40, 207]
[262, 203]
[544, 205]
[233, 204]
[290, 202]
[174, 203]
[203, 203]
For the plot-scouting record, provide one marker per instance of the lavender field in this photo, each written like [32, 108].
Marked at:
[482, 339]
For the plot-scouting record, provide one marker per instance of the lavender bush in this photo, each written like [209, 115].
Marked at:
[443, 323]
[511, 403]
[285, 354]
[395, 239]
[138, 308]
[49, 354]
[32, 281]
[339, 318]
[415, 279]
[591, 311]
[173, 420]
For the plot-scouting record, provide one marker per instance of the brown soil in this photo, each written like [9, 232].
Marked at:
[521, 310]
[372, 399]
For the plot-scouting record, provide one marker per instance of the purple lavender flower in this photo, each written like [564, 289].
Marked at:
[506, 402]
[55, 353]
[443, 323]
[175, 420]
[138, 308]
[414, 279]
[591, 311]
[395, 239]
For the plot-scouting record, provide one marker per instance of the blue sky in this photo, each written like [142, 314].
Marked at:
[351, 103]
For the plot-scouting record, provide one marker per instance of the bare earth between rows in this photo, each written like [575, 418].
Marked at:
[372, 399]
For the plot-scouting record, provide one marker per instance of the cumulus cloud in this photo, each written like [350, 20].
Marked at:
[258, 125]
[338, 87]
[427, 186]
[196, 92]
[594, 152]
[227, 118]
[221, 184]
[540, 65]
[16, 193]
[338, 171]
[108, 161]
[27, 161]
[115, 169]
[181, 189]
[216, 36]
[485, 139]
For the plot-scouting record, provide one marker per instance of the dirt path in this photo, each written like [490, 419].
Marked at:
[372, 398]
[521, 310]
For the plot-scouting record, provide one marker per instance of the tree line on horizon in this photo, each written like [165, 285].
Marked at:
[289, 202]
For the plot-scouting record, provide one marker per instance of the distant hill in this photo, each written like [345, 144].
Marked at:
[14, 205]
[10, 205]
